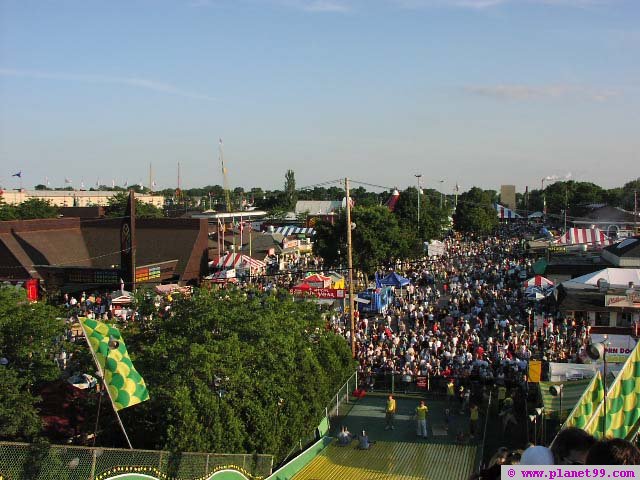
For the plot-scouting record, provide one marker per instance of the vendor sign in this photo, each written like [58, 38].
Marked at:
[619, 347]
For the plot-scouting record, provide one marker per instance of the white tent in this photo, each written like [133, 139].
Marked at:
[536, 215]
[615, 277]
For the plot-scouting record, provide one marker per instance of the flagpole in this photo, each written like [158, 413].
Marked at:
[104, 384]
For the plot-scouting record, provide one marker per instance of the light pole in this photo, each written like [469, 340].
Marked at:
[418, 176]
[441, 194]
[558, 390]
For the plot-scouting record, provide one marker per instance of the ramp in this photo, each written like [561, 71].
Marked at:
[392, 461]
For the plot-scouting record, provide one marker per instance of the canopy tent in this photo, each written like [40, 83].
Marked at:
[318, 281]
[292, 230]
[394, 280]
[538, 281]
[615, 277]
[536, 215]
[238, 261]
[505, 213]
[588, 236]
[436, 248]
[534, 294]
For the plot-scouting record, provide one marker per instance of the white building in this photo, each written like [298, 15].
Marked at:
[73, 198]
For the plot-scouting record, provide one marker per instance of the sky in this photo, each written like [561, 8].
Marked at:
[472, 92]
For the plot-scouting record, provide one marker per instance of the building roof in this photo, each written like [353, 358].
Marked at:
[72, 242]
[317, 207]
[629, 247]
[615, 277]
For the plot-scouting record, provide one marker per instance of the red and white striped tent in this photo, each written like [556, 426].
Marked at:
[538, 281]
[238, 261]
[505, 213]
[588, 236]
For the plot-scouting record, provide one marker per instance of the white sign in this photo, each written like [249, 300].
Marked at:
[619, 347]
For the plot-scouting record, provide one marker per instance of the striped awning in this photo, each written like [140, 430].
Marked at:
[505, 213]
[238, 260]
[588, 236]
[291, 230]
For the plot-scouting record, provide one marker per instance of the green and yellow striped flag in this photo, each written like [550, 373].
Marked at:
[623, 403]
[126, 386]
[587, 405]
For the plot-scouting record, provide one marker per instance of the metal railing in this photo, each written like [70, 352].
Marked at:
[24, 461]
[336, 408]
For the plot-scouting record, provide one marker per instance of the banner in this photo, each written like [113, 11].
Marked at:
[587, 405]
[125, 385]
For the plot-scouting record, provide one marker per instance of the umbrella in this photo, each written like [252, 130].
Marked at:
[538, 281]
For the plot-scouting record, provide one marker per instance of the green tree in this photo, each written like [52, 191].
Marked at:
[34, 208]
[118, 207]
[237, 372]
[475, 212]
[28, 333]
[290, 194]
[377, 239]
[432, 218]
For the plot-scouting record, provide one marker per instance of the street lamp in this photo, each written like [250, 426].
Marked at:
[441, 194]
[418, 176]
[557, 390]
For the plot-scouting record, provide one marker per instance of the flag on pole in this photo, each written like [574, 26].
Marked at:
[17, 174]
[587, 405]
[623, 403]
[67, 180]
[124, 384]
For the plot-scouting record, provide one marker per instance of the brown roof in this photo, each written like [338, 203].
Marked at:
[96, 243]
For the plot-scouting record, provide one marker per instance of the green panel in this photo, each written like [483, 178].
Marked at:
[294, 466]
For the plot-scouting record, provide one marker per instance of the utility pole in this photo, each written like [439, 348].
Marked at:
[350, 267]
[635, 211]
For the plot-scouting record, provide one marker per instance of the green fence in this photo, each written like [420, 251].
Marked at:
[23, 461]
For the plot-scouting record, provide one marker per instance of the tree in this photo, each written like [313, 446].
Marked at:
[377, 239]
[235, 371]
[40, 186]
[475, 212]
[290, 194]
[432, 218]
[28, 340]
[31, 209]
[118, 207]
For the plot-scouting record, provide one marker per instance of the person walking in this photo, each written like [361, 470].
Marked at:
[451, 392]
[421, 419]
[390, 413]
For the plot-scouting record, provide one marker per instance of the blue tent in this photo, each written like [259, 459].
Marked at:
[395, 280]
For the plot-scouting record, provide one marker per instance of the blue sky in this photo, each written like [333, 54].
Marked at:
[478, 92]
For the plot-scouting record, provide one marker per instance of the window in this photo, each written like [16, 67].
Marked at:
[602, 319]
[625, 319]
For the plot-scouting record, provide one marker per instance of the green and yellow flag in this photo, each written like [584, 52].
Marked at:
[126, 386]
[587, 405]
[623, 403]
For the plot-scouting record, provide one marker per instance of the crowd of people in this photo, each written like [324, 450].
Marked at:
[465, 316]
[572, 446]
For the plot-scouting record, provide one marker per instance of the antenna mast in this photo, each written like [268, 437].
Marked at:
[225, 180]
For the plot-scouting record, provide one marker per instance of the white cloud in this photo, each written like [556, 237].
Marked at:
[138, 82]
[533, 92]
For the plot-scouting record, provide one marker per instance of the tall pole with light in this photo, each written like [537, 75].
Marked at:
[441, 194]
[419, 177]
